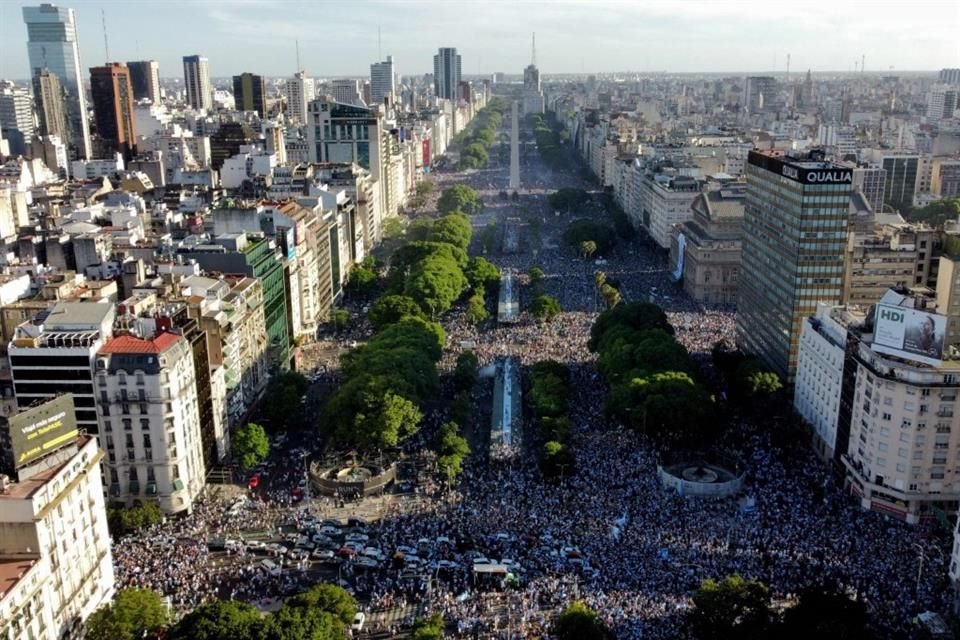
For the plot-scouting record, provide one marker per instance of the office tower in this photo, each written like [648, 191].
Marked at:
[950, 76]
[55, 555]
[347, 92]
[196, 77]
[795, 227]
[382, 81]
[902, 171]
[250, 93]
[446, 73]
[112, 98]
[51, 105]
[871, 181]
[147, 394]
[145, 79]
[300, 91]
[345, 133]
[759, 93]
[941, 102]
[16, 118]
[52, 45]
[532, 94]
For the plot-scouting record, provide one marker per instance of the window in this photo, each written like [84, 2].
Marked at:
[127, 424]
[140, 380]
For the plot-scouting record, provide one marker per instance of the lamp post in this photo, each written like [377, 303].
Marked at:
[920, 559]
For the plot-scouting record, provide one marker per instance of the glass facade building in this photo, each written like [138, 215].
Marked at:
[795, 226]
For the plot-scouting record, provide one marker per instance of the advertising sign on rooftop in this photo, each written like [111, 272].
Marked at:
[909, 333]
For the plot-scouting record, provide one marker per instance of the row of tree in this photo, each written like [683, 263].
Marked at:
[652, 379]
[483, 133]
[549, 400]
[324, 612]
[459, 197]
[587, 237]
[549, 136]
[737, 607]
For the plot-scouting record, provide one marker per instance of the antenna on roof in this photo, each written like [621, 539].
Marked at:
[533, 57]
[379, 52]
[863, 62]
[106, 45]
[788, 67]
[297, 42]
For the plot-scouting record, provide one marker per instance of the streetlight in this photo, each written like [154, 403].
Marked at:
[920, 560]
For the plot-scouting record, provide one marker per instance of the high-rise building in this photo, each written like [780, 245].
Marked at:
[902, 170]
[151, 423]
[347, 91]
[532, 93]
[145, 79]
[759, 93]
[196, 77]
[871, 181]
[112, 97]
[300, 91]
[344, 133]
[16, 118]
[950, 76]
[52, 44]
[446, 73]
[795, 226]
[51, 105]
[250, 93]
[941, 102]
[383, 81]
[55, 554]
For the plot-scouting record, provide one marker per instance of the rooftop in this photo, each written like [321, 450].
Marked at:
[12, 570]
[131, 344]
[70, 314]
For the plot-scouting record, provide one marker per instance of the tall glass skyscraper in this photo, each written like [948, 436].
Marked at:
[446, 73]
[52, 45]
[794, 233]
[196, 78]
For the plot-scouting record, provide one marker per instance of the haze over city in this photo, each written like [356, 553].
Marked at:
[338, 38]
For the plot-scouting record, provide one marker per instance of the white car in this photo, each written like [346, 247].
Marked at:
[358, 621]
[323, 554]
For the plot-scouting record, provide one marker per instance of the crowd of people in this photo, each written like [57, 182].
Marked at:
[607, 533]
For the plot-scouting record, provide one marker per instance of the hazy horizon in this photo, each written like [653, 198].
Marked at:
[573, 37]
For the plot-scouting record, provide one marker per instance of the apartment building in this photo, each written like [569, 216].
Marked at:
[890, 255]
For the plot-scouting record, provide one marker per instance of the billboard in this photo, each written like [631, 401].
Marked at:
[42, 429]
[909, 333]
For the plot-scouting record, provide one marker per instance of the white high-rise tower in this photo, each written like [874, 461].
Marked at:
[196, 77]
[382, 81]
[300, 91]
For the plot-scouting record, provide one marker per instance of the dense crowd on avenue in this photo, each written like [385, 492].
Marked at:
[608, 534]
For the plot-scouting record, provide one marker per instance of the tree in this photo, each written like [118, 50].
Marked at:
[436, 283]
[734, 608]
[452, 448]
[393, 308]
[631, 354]
[482, 274]
[250, 445]
[556, 459]
[220, 620]
[453, 228]
[635, 315]
[611, 295]
[826, 613]
[392, 228]
[340, 318]
[580, 622]
[465, 370]
[669, 406]
[488, 236]
[588, 248]
[134, 614]
[568, 198]
[477, 307]
[298, 623]
[419, 229]
[599, 278]
[363, 277]
[536, 275]
[328, 598]
[544, 308]
[123, 520]
[429, 628]
[935, 213]
[585, 229]
[459, 197]
[424, 188]
[283, 393]
[755, 381]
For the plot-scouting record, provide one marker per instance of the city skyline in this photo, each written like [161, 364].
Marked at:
[582, 37]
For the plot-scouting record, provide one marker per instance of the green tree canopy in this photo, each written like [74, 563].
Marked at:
[825, 613]
[483, 274]
[428, 337]
[568, 198]
[220, 620]
[453, 228]
[329, 598]
[250, 445]
[935, 213]
[465, 371]
[580, 622]
[408, 363]
[733, 608]
[629, 353]
[298, 623]
[367, 412]
[635, 315]
[536, 275]
[474, 156]
[556, 459]
[755, 380]
[393, 308]
[283, 393]
[548, 395]
[123, 520]
[669, 406]
[544, 308]
[477, 307]
[134, 614]
[459, 197]
[436, 283]
[419, 229]
[452, 448]
[363, 277]
[587, 230]
[429, 628]
[424, 187]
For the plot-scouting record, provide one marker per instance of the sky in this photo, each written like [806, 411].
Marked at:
[339, 38]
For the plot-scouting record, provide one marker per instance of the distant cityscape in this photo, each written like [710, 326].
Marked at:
[433, 354]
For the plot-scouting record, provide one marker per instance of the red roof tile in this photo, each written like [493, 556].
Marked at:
[130, 344]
